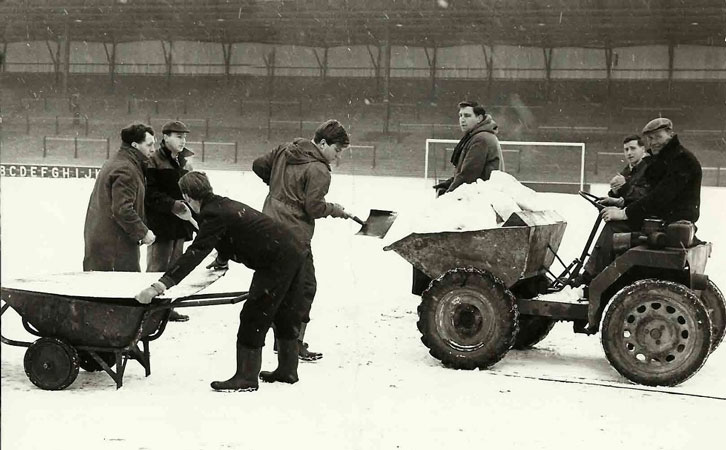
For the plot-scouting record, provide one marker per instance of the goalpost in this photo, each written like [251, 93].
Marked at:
[504, 144]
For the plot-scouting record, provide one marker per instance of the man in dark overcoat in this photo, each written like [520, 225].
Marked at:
[674, 176]
[164, 204]
[114, 227]
[630, 184]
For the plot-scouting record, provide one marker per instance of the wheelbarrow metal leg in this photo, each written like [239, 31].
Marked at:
[118, 376]
[147, 357]
[141, 356]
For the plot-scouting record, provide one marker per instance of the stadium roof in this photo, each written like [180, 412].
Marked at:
[329, 23]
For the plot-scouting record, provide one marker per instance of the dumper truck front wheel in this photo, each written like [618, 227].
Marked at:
[656, 333]
[713, 300]
[468, 319]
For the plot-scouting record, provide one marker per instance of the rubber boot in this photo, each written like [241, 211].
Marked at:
[287, 362]
[303, 352]
[177, 317]
[249, 362]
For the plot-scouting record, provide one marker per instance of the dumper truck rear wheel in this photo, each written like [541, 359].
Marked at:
[713, 300]
[656, 333]
[468, 319]
[51, 364]
[532, 329]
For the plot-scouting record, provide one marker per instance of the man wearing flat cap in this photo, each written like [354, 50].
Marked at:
[165, 208]
[674, 176]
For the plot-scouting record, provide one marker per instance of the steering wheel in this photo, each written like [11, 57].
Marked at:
[592, 199]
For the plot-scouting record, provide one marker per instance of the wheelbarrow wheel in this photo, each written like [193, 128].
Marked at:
[532, 329]
[656, 333]
[87, 363]
[51, 364]
[713, 300]
[468, 319]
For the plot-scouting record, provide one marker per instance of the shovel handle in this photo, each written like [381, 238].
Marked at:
[357, 219]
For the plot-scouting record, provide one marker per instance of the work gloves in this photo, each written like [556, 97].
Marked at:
[148, 238]
[150, 292]
[218, 264]
[181, 210]
[442, 187]
[339, 212]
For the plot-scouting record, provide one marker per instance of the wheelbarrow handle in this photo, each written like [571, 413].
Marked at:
[13, 342]
[229, 298]
[358, 219]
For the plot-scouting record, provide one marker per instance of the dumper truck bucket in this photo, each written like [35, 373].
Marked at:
[523, 247]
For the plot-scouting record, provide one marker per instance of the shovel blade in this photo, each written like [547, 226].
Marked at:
[378, 223]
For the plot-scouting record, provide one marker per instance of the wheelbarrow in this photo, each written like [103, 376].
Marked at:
[90, 320]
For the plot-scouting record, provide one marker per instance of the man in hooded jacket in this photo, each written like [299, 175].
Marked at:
[478, 153]
[298, 174]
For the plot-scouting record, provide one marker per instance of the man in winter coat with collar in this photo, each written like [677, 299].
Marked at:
[244, 235]
[164, 205]
[630, 184]
[478, 153]
[114, 227]
[298, 174]
[674, 175]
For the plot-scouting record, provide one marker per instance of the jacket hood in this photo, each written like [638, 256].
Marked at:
[488, 125]
[303, 151]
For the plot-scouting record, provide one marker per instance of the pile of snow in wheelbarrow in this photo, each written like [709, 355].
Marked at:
[478, 206]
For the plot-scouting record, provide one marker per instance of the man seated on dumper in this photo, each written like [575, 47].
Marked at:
[630, 184]
[674, 175]
[245, 235]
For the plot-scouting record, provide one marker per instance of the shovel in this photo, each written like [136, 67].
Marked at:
[378, 223]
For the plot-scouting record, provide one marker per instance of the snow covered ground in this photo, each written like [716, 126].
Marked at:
[376, 387]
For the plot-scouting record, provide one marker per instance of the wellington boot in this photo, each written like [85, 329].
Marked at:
[249, 362]
[303, 352]
[307, 355]
[286, 372]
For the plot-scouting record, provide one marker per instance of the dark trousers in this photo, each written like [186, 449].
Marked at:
[602, 255]
[275, 296]
[123, 259]
[310, 287]
[162, 254]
